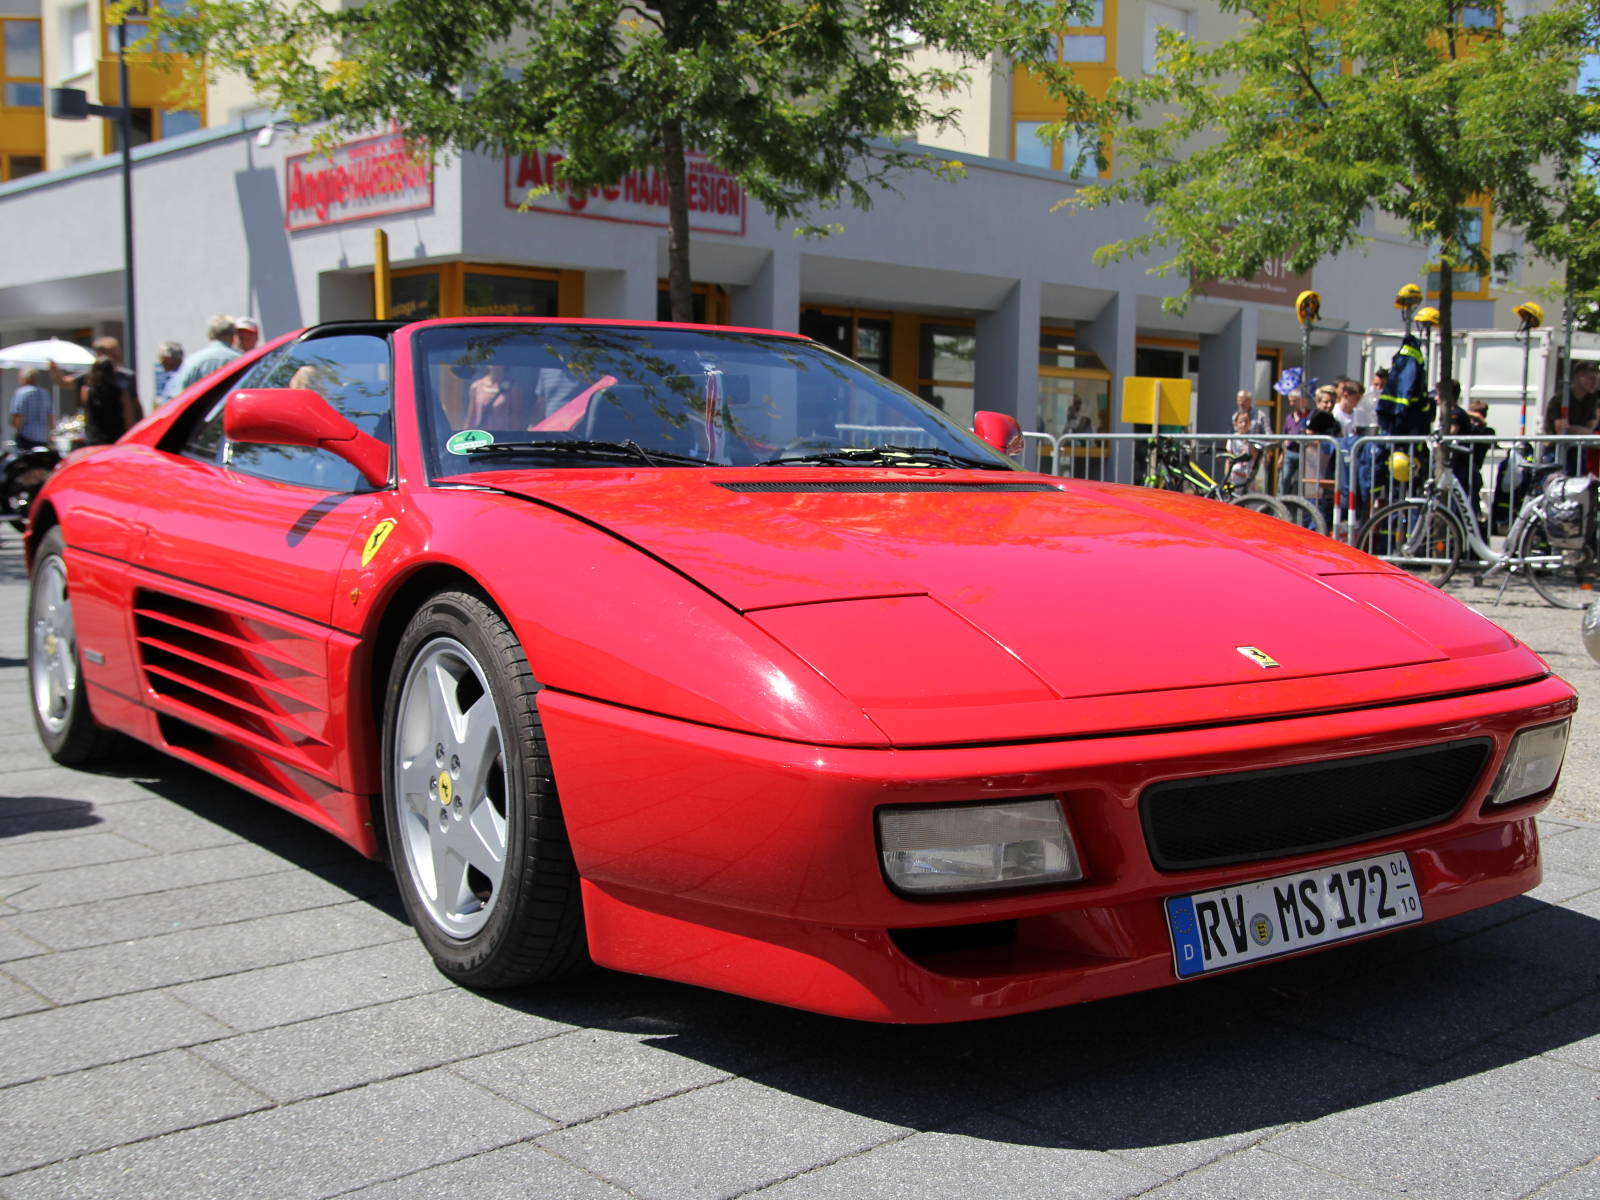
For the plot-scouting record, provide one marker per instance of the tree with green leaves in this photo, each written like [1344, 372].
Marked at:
[1280, 141]
[800, 100]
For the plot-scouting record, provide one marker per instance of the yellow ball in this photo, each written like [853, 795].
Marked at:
[1400, 466]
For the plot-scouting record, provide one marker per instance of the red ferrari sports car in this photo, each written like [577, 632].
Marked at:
[708, 654]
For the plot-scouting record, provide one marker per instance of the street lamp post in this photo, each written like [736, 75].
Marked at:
[72, 104]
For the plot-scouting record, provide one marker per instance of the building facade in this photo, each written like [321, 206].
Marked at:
[980, 293]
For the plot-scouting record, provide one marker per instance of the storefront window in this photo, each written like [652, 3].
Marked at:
[947, 368]
[508, 296]
[414, 297]
[872, 345]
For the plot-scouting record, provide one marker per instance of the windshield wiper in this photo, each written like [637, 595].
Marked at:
[891, 456]
[593, 449]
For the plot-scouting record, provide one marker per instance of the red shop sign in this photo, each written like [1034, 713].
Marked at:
[717, 203]
[371, 177]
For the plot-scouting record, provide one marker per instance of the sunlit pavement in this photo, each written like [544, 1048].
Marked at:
[200, 996]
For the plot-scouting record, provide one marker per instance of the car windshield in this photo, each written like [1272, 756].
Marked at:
[502, 396]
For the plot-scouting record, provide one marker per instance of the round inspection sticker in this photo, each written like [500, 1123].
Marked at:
[467, 440]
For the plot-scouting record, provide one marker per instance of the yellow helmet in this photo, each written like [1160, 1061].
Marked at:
[1531, 313]
[1400, 466]
[1308, 307]
[1407, 296]
[1427, 316]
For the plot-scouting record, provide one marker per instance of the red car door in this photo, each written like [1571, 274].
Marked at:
[232, 586]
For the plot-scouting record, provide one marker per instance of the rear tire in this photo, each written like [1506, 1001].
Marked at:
[1396, 532]
[1304, 513]
[474, 825]
[1571, 585]
[55, 673]
[1262, 503]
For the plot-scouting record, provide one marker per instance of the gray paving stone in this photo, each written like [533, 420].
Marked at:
[1189, 1105]
[1571, 1033]
[142, 876]
[87, 1035]
[302, 990]
[521, 1172]
[1258, 1174]
[101, 922]
[584, 1074]
[15, 944]
[16, 999]
[980, 1157]
[36, 858]
[69, 1115]
[1492, 1129]
[191, 954]
[62, 783]
[163, 828]
[1582, 1184]
[719, 1141]
[1559, 887]
[1574, 853]
[329, 1054]
[315, 1148]
[1438, 1004]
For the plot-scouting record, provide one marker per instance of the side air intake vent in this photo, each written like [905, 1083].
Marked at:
[883, 485]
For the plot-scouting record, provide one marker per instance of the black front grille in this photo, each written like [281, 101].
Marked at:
[884, 485]
[1294, 810]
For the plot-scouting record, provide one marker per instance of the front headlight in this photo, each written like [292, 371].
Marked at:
[964, 847]
[1532, 763]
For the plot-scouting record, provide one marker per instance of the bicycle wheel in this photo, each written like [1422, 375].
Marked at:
[1304, 513]
[1425, 541]
[1568, 583]
[1262, 503]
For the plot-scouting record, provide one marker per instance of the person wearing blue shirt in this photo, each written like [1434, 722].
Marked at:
[218, 353]
[31, 412]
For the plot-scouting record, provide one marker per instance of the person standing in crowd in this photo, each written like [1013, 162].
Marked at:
[1294, 421]
[30, 411]
[246, 333]
[1323, 424]
[1364, 406]
[1380, 380]
[104, 347]
[1242, 454]
[217, 353]
[1256, 421]
[1577, 414]
[169, 357]
[1478, 426]
[109, 408]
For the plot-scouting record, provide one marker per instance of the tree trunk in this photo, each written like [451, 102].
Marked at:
[1447, 358]
[679, 290]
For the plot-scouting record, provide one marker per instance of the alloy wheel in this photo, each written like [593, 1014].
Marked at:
[450, 787]
[53, 646]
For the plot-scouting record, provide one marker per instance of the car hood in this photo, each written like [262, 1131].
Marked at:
[1038, 592]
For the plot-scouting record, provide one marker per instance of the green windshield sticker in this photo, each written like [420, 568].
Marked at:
[468, 439]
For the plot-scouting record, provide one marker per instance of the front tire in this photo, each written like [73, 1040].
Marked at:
[474, 825]
[55, 675]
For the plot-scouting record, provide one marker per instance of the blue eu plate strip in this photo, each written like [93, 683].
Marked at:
[1185, 936]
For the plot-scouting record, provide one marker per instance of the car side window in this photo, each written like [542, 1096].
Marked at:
[205, 441]
[350, 371]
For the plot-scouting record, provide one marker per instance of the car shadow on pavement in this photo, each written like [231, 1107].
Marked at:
[1214, 1059]
[21, 815]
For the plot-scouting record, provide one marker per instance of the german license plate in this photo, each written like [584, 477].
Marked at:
[1238, 925]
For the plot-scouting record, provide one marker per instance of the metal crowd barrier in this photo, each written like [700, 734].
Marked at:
[1319, 468]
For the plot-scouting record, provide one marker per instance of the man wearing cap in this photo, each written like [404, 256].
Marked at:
[246, 333]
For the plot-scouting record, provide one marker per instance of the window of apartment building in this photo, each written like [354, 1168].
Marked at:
[1180, 21]
[19, 166]
[1090, 48]
[1477, 229]
[77, 41]
[22, 67]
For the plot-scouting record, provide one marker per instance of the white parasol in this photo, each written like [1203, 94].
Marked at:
[42, 354]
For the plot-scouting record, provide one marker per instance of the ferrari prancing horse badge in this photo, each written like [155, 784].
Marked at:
[1260, 657]
[375, 541]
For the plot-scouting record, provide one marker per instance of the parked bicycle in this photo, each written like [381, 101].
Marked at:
[1174, 469]
[1548, 545]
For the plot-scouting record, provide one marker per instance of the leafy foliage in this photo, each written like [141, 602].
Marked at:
[796, 98]
[1279, 141]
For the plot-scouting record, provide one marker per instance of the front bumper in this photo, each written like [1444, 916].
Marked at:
[750, 865]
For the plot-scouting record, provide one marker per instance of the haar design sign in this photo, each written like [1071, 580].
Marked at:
[1273, 284]
[372, 177]
[716, 201]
